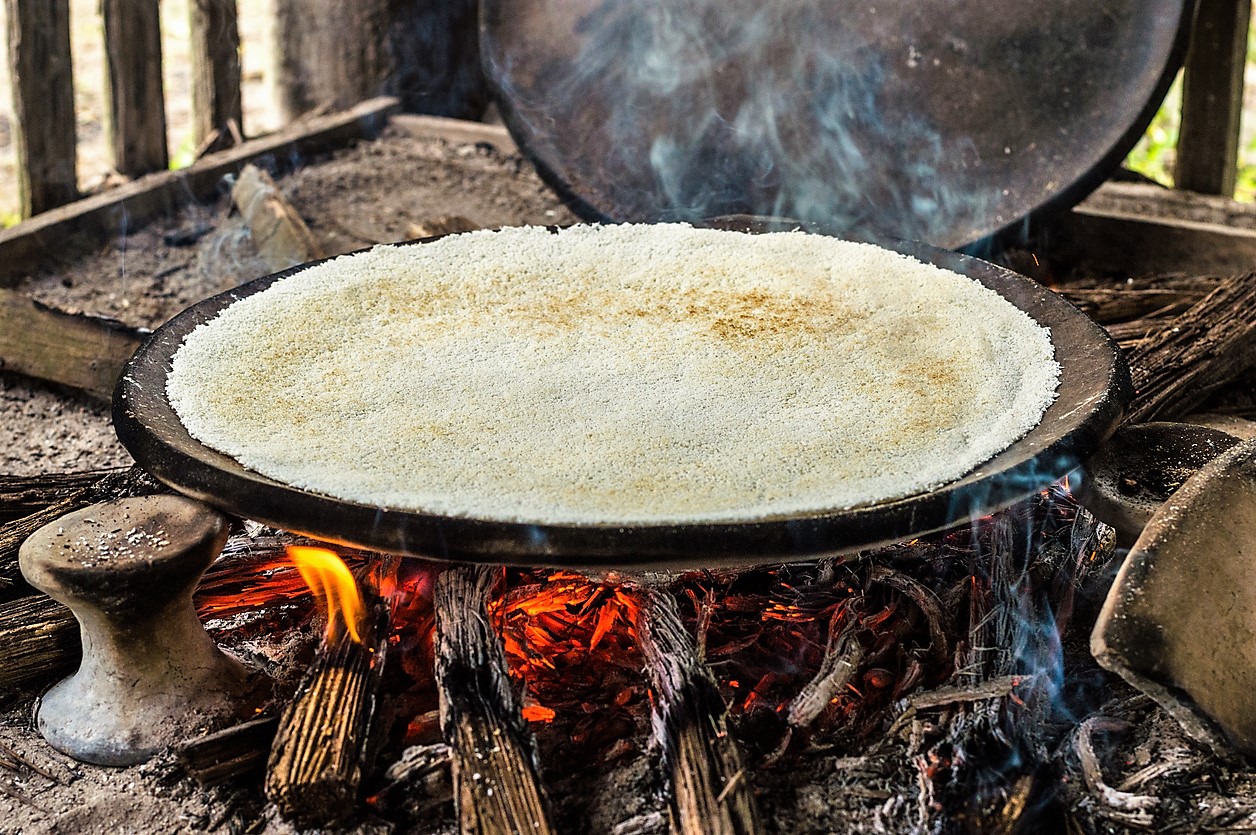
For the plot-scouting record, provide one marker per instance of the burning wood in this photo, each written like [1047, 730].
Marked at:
[496, 785]
[709, 790]
[323, 745]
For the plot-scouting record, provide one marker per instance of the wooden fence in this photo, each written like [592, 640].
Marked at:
[39, 52]
[43, 90]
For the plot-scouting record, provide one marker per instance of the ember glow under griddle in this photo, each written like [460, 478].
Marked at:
[680, 517]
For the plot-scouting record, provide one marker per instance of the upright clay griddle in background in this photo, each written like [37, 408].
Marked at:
[941, 121]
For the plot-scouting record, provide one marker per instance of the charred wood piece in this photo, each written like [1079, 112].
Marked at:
[324, 744]
[1128, 808]
[925, 600]
[218, 757]
[420, 779]
[709, 791]
[842, 656]
[495, 774]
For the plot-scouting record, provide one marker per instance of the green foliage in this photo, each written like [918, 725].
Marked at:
[9, 218]
[1154, 154]
[184, 154]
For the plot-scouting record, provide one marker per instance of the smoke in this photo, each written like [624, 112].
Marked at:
[681, 111]
[940, 122]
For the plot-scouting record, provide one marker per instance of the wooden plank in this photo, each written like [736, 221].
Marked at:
[43, 102]
[1212, 98]
[136, 104]
[215, 46]
[129, 206]
[84, 352]
[1154, 201]
[1134, 245]
[456, 131]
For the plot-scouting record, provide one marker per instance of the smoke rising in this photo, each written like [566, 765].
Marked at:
[935, 122]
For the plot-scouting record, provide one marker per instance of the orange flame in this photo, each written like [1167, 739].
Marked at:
[332, 582]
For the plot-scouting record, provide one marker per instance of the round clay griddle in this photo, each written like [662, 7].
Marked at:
[1094, 388]
[929, 121]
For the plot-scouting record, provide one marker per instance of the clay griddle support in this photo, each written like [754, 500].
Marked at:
[150, 676]
[1179, 623]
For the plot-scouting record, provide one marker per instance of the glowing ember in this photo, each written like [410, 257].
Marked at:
[571, 643]
[333, 584]
[249, 585]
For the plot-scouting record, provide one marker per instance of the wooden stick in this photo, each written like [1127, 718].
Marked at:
[496, 785]
[136, 104]
[280, 235]
[709, 792]
[39, 640]
[215, 46]
[83, 352]
[43, 103]
[1197, 353]
[216, 758]
[323, 745]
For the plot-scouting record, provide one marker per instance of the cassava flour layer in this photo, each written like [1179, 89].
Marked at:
[616, 374]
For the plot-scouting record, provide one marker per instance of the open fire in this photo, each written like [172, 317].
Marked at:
[941, 661]
[929, 685]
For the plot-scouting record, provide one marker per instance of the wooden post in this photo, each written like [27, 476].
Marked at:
[137, 108]
[215, 45]
[329, 55]
[1212, 98]
[43, 102]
